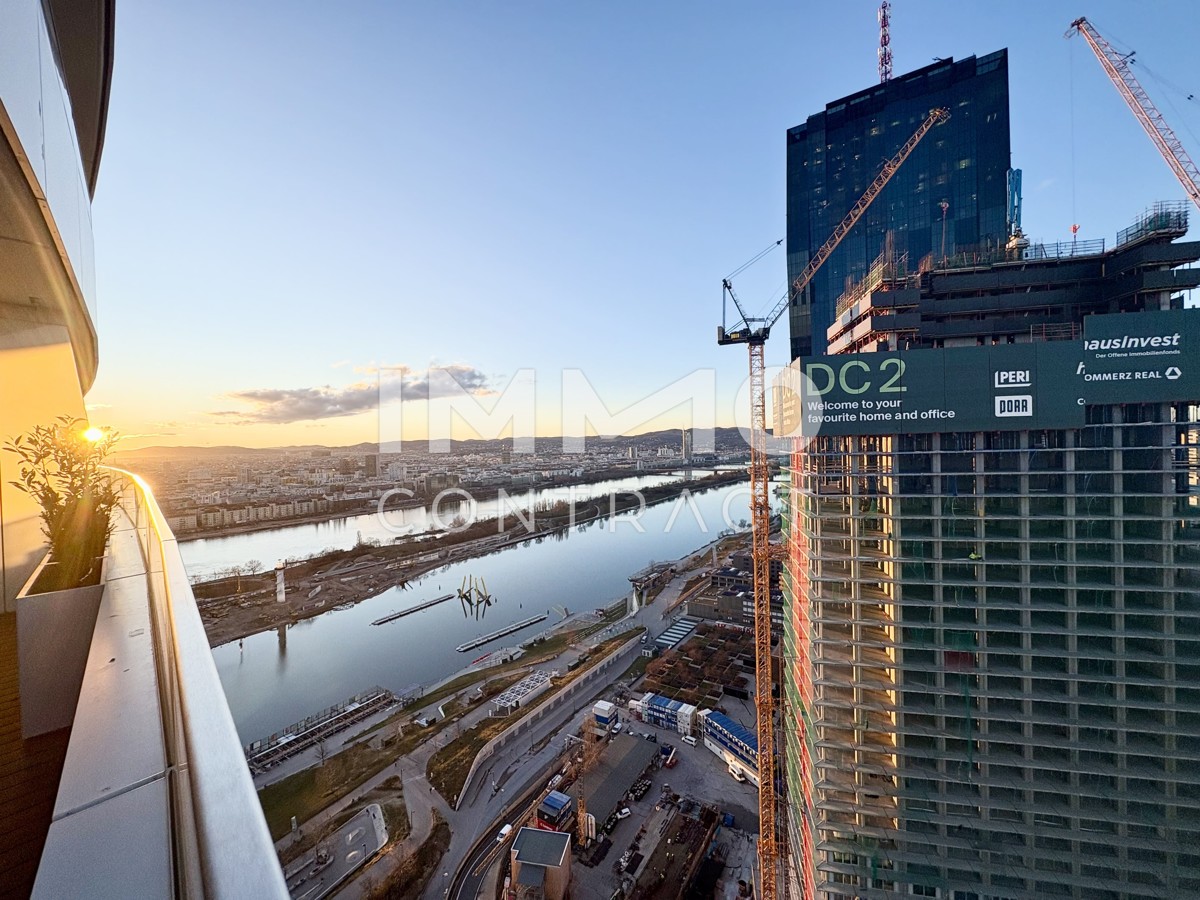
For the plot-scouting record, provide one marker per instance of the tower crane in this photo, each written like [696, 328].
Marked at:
[754, 333]
[1120, 73]
[589, 753]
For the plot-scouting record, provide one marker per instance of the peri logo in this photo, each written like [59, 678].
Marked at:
[1173, 372]
[1012, 378]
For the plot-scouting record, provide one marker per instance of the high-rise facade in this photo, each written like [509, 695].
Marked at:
[950, 194]
[992, 586]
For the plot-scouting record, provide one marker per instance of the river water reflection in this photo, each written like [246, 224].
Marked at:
[205, 557]
[274, 679]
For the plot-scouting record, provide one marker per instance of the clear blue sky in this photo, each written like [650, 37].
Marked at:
[293, 190]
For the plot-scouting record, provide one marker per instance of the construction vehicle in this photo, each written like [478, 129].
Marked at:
[754, 333]
[1120, 72]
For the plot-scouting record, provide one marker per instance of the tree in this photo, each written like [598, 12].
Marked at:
[254, 566]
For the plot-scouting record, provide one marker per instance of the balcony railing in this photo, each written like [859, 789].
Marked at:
[155, 798]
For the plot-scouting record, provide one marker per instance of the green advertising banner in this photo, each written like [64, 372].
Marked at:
[1130, 358]
[1140, 357]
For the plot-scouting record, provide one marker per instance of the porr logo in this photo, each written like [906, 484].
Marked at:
[1017, 405]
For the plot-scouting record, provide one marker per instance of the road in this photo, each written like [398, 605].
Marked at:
[322, 869]
[517, 767]
[471, 875]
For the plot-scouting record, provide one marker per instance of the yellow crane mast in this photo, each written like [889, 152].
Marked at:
[1120, 73]
[754, 333]
[589, 752]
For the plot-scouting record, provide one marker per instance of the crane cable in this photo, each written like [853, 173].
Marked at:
[1166, 84]
[744, 266]
[1071, 119]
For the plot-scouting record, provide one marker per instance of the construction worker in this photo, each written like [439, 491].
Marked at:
[974, 555]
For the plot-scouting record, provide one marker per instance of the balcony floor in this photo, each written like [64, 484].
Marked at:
[29, 775]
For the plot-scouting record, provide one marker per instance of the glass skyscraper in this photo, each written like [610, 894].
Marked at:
[834, 156]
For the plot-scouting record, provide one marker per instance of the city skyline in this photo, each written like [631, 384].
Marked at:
[468, 187]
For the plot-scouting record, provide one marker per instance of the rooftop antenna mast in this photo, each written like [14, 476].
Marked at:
[885, 40]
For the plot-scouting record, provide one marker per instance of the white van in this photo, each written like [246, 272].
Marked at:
[689, 740]
[737, 774]
[504, 832]
[555, 782]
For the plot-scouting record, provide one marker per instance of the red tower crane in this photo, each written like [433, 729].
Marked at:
[1120, 73]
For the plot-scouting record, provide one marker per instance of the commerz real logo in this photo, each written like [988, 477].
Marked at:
[1010, 405]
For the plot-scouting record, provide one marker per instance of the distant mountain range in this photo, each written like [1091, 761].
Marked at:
[725, 439]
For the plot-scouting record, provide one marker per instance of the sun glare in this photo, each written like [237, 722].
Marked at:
[94, 434]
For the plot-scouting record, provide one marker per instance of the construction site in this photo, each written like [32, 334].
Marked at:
[974, 496]
[966, 648]
[647, 815]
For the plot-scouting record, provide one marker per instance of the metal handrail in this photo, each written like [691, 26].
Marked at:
[221, 845]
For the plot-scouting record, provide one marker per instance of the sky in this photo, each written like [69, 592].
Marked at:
[294, 196]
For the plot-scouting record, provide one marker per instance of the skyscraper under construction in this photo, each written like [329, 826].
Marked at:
[951, 193]
[992, 625]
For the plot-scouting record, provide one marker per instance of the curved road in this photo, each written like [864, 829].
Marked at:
[484, 810]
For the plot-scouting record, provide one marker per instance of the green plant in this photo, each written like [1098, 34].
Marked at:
[60, 468]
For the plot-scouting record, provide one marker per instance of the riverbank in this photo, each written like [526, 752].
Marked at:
[479, 494]
[236, 607]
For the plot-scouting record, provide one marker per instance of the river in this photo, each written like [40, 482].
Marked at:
[205, 557]
[274, 679]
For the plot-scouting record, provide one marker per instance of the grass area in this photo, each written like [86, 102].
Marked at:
[411, 876]
[307, 792]
[390, 797]
[637, 670]
[448, 767]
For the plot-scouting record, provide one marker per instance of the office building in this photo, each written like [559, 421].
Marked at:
[835, 154]
[136, 785]
[993, 581]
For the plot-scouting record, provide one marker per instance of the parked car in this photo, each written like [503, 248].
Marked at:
[624, 813]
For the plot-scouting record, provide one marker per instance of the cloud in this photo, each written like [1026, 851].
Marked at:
[417, 386]
[339, 364]
[279, 406]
